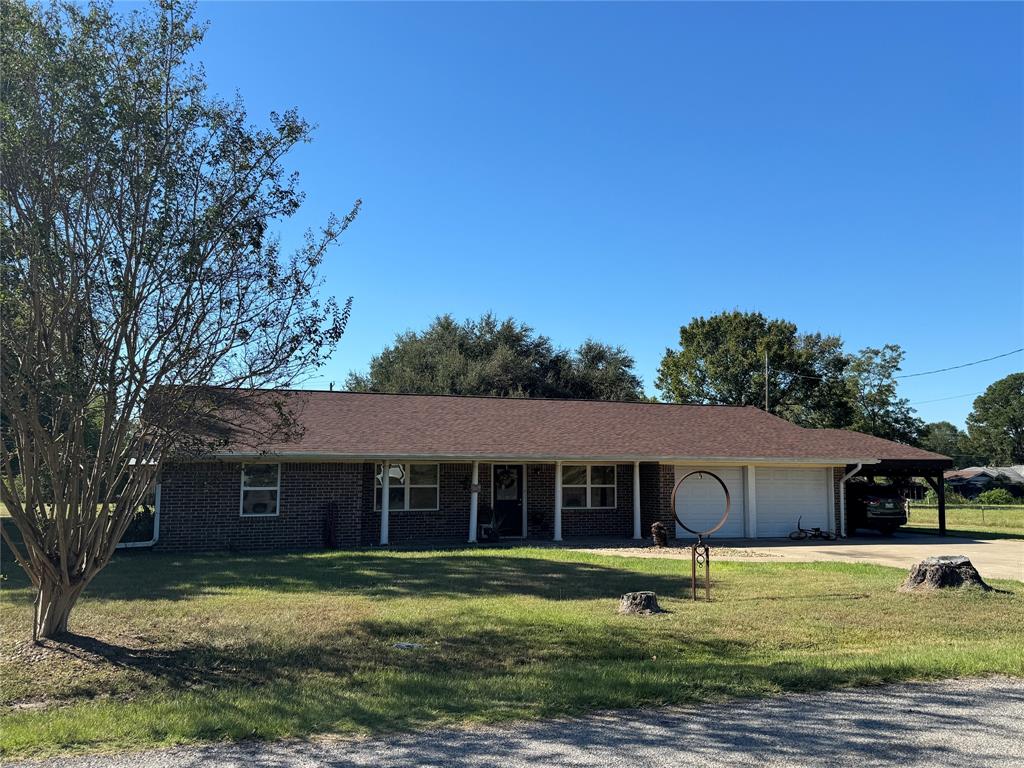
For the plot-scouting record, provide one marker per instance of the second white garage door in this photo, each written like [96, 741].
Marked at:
[784, 495]
[703, 502]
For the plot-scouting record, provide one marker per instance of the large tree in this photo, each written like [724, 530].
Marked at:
[996, 424]
[721, 360]
[497, 357]
[877, 409]
[136, 271]
[948, 439]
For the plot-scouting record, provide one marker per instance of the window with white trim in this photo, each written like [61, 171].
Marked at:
[412, 487]
[588, 486]
[261, 488]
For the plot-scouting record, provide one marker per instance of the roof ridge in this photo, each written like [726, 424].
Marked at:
[504, 397]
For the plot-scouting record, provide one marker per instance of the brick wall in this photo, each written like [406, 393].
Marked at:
[656, 482]
[540, 501]
[199, 508]
[448, 523]
[604, 522]
[837, 481]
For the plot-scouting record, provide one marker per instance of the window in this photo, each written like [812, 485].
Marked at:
[411, 487]
[589, 486]
[261, 485]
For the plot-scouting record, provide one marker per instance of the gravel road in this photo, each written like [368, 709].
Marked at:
[978, 722]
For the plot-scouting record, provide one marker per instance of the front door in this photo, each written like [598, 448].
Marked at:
[508, 499]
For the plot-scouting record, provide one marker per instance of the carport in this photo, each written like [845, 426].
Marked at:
[930, 470]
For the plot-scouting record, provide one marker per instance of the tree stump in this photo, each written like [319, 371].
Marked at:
[943, 572]
[660, 534]
[643, 603]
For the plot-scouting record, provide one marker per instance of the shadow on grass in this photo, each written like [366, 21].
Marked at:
[360, 683]
[154, 576]
[962, 533]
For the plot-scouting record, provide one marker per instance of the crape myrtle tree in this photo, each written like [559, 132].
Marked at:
[136, 272]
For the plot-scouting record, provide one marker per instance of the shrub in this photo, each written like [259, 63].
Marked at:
[996, 496]
[952, 497]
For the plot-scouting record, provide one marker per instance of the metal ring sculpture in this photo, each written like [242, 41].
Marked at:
[700, 553]
[728, 503]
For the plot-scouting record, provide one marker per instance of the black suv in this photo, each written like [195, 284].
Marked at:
[881, 507]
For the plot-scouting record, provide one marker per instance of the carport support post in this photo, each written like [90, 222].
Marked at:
[385, 500]
[558, 501]
[636, 500]
[940, 491]
[474, 496]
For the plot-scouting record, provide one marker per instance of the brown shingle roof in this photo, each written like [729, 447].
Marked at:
[365, 425]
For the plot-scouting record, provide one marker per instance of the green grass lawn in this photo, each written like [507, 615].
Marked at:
[1005, 522]
[190, 648]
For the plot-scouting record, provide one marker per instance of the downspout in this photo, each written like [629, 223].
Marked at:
[842, 495]
[156, 527]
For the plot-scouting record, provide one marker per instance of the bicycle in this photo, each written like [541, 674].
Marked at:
[802, 534]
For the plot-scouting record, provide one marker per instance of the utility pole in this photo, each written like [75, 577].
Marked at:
[766, 380]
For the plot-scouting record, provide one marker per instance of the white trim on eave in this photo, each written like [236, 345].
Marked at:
[535, 458]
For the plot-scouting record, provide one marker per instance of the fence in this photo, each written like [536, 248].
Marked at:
[932, 511]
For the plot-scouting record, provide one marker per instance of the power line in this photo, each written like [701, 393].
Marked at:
[912, 375]
[964, 365]
[951, 397]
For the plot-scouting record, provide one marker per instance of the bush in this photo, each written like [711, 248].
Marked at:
[996, 496]
[952, 497]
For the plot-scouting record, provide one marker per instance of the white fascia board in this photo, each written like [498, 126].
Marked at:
[504, 458]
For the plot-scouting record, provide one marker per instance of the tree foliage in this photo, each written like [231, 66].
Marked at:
[949, 440]
[996, 423]
[876, 407]
[497, 357]
[721, 360]
[810, 379]
[136, 271]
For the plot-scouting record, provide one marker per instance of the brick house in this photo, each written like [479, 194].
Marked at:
[464, 468]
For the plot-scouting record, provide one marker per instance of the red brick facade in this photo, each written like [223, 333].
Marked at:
[200, 504]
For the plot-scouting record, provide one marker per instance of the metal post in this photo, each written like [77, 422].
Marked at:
[940, 490]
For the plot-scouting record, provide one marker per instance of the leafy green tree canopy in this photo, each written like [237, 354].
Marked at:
[810, 379]
[497, 357]
[721, 360]
[996, 424]
[949, 440]
[876, 408]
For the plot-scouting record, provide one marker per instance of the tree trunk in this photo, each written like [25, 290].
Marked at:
[54, 602]
[639, 603]
[943, 572]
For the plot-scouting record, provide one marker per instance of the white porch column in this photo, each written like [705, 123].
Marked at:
[750, 494]
[474, 496]
[636, 500]
[558, 501]
[385, 500]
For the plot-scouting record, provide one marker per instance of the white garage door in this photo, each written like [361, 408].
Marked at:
[702, 501]
[785, 495]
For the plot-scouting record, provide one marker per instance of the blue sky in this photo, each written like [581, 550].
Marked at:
[613, 170]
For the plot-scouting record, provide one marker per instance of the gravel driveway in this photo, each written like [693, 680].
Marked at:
[953, 723]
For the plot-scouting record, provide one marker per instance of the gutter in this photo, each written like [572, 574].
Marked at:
[537, 458]
[842, 495]
[156, 528]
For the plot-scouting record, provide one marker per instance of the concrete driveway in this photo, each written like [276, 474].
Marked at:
[994, 558]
